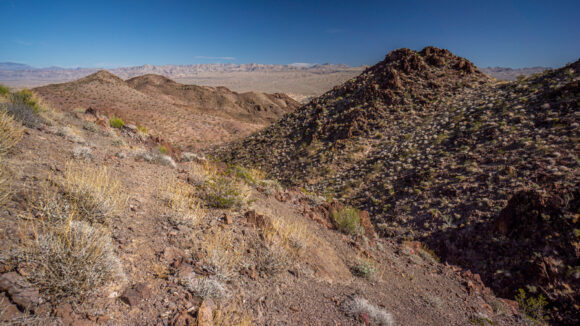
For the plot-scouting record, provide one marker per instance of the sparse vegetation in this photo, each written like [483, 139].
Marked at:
[221, 253]
[355, 306]
[364, 268]
[205, 287]
[225, 192]
[533, 308]
[10, 132]
[4, 91]
[70, 260]
[96, 194]
[347, 220]
[28, 98]
[115, 122]
[180, 204]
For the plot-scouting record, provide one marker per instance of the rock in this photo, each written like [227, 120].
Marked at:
[205, 313]
[135, 295]
[20, 292]
[7, 309]
[365, 222]
[258, 220]
[183, 319]
[131, 127]
[173, 255]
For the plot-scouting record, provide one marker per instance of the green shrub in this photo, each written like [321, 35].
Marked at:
[27, 97]
[365, 268]
[142, 129]
[4, 91]
[347, 220]
[116, 122]
[534, 308]
[224, 192]
[163, 149]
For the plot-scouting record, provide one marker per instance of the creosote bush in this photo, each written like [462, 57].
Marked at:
[70, 260]
[347, 220]
[115, 122]
[93, 191]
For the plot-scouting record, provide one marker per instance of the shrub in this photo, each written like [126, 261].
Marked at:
[221, 253]
[534, 308]
[347, 220]
[250, 176]
[142, 129]
[10, 132]
[115, 122]
[4, 91]
[378, 316]
[23, 113]
[70, 260]
[180, 204]
[205, 287]
[224, 192]
[28, 98]
[93, 191]
[364, 268]
[163, 149]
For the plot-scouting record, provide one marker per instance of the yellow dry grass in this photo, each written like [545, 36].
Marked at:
[221, 253]
[294, 236]
[11, 132]
[96, 194]
[179, 202]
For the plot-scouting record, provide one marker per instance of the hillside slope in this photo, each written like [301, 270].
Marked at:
[170, 111]
[434, 149]
[100, 228]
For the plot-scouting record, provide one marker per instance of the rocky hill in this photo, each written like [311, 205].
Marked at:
[184, 115]
[485, 172]
[100, 226]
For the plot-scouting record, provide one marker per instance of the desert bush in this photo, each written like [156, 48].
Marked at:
[200, 173]
[205, 287]
[69, 132]
[10, 132]
[364, 268]
[142, 129]
[96, 194]
[162, 149]
[221, 253]
[4, 91]
[224, 192]
[533, 308]
[82, 153]
[70, 260]
[347, 220]
[355, 306]
[292, 235]
[251, 176]
[91, 126]
[115, 122]
[28, 98]
[180, 204]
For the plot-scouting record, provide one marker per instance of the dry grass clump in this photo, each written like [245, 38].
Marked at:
[10, 132]
[69, 260]
[205, 287]
[200, 173]
[291, 235]
[221, 254]
[225, 192]
[93, 191]
[378, 316]
[180, 203]
[347, 220]
[5, 183]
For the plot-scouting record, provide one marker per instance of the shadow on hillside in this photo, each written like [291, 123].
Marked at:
[529, 245]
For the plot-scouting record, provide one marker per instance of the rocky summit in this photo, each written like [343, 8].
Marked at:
[485, 172]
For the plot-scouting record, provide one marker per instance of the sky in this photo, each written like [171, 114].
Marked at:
[116, 33]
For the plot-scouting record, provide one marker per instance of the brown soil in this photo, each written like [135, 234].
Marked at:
[408, 283]
[186, 115]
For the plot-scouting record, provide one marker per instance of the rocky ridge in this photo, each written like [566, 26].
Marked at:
[435, 150]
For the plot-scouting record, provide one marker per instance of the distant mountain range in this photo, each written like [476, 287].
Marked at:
[22, 75]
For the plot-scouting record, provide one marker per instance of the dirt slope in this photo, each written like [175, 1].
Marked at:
[437, 151]
[181, 114]
[166, 251]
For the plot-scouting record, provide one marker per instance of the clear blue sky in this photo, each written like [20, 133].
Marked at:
[135, 32]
